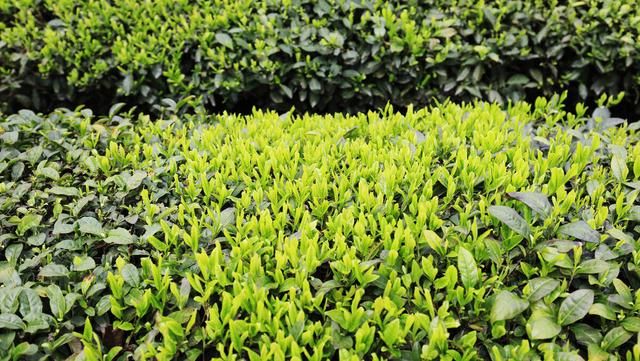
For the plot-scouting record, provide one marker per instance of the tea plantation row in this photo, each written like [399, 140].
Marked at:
[457, 232]
[323, 56]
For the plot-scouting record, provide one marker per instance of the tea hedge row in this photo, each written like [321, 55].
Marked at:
[328, 55]
[459, 232]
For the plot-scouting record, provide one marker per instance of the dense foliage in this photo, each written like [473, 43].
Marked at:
[326, 55]
[458, 232]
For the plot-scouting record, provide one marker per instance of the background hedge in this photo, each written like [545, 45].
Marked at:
[325, 55]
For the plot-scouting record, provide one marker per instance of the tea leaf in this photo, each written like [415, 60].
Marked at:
[227, 216]
[538, 202]
[90, 225]
[225, 40]
[468, 268]
[615, 338]
[507, 306]
[57, 301]
[131, 275]
[581, 231]
[83, 263]
[53, 270]
[28, 222]
[9, 299]
[575, 307]
[592, 266]
[30, 303]
[542, 327]
[631, 324]
[540, 287]
[64, 191]
[11, 322]
[119, 236]
[586, 334]
[512, 219]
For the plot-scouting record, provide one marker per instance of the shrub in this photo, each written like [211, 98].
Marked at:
[456, 232]
[329, 55]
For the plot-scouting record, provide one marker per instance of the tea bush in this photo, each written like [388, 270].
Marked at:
[456, 232]
[327, 55]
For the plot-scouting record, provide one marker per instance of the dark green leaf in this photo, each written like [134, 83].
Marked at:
[602, 310]
[315, 85]
[135, 180]
[575, 307]
[512, 219]
[23, 349]
[227, 217]
[90, 225]
[538, 202]
[540, 287]
[64, 191]
[507, 306]
[53, 270]
[9, 299]
[615, 338]
[631, 324]
[130, 275]
[11, 321]
[224, 39]
[593, 266]
[518, 79]
[586, 334]
[49, 173]
[127, 84]
[83, 263]
[581, 231]
[542, 327]
[57, 302]
[602, 113]
[30, 303]
[537, 75]
[119, 236]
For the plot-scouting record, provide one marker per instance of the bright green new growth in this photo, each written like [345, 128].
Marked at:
[458, 232]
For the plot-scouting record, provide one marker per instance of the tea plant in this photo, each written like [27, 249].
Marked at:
[326, 55]
[457, 232]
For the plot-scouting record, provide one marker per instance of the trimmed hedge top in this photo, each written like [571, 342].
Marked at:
[454, 233]
[327, 55]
